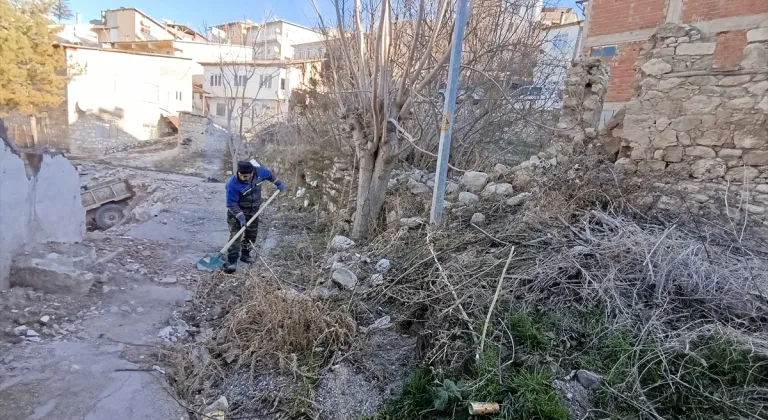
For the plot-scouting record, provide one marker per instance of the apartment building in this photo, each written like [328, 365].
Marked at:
[271, 40]
[259, 89]
[558, 16]
[616, 31]
[131, 24]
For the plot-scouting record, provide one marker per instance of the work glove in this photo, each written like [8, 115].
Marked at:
[241, 218]
[280, 185]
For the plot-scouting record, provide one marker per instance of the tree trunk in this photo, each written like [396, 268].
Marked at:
[375, 171]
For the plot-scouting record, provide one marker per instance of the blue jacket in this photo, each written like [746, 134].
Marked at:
[245, 197]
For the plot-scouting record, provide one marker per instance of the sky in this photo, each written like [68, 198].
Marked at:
[196, 14]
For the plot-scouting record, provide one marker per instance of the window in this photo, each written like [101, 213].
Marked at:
[310, 53]
[151, 130]
[221, 110]
[266, 81]
[605, 51]
[240, 80]
[215, 80]
[282, 83]
[178, 95]
[560, 41]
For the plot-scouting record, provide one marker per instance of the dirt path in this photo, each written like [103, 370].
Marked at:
[96, 363]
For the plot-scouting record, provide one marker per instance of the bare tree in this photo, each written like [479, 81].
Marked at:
[236, 73]
[393, 55]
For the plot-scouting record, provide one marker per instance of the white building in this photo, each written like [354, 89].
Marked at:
[276, 39]
[259, 90]
[117, 97]
[560, 46]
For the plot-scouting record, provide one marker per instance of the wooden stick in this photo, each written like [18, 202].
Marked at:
[493, 303]
[242, 229]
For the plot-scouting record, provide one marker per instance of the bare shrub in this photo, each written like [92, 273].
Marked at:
[599, 281]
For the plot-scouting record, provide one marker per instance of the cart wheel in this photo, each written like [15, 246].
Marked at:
[108, 215]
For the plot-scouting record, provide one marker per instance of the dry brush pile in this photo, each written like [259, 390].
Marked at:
[670, 310]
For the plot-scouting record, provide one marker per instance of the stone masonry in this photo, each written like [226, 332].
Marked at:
[585, 87]
[702, 124]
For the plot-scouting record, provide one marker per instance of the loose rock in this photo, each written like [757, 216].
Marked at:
[411, 222]
[344, 278]
[474, 181]
[383, 266]
[468, 197]
[169, 280]
[341, 243]
[477, 219]
[518, 199]
[417, 187]
[377, 279]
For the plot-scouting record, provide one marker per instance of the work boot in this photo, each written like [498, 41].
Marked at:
[246, 258]
[230, 266]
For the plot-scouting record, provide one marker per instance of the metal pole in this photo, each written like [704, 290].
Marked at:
[446, 127]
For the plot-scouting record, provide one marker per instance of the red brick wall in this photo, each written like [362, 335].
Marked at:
[616, 16]
[698, 10]
[623, 72]
[730, 48]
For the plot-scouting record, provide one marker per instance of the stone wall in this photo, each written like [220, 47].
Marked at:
[95, 135]
[697, 122]
[39, 202]
[203, 144]
[585, 86]
[48, 130]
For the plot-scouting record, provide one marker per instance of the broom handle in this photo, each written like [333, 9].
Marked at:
[237, 235]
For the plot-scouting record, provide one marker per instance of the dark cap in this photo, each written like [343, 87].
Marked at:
[245, 167]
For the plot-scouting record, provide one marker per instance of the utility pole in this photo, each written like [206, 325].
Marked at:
[449, 108]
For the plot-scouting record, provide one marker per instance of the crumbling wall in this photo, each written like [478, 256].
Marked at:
[197, 133]
[585, 87]
[39, 202]
[698, 123]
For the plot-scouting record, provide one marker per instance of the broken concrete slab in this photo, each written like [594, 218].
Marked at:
[50, 276]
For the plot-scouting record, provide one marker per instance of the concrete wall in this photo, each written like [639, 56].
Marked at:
[121, 97]
[39, 202]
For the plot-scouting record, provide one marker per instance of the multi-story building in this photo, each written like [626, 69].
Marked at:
[260, 90]
[231, 32]
[558, 16]
[616, 31]
[130, 24]
[276, 39]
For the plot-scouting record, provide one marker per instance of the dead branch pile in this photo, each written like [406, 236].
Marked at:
[588, 244]
[251, 328]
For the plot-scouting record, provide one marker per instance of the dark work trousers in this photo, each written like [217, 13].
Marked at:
[244, 241]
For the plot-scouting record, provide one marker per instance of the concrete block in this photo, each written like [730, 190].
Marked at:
[50, 276]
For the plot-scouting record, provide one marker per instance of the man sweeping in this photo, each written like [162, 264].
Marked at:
[243, 201]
